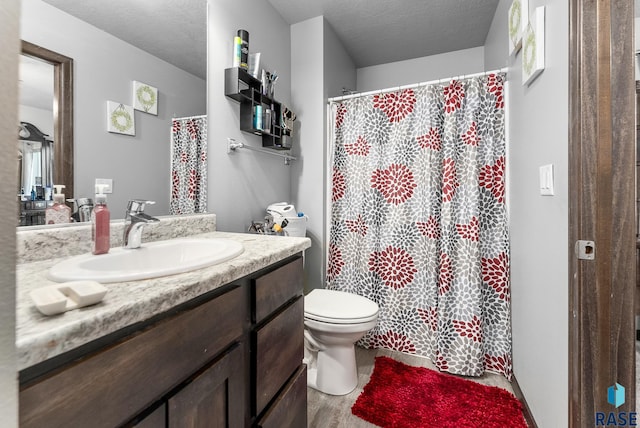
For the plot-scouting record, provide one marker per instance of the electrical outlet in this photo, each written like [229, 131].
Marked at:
[106, 181]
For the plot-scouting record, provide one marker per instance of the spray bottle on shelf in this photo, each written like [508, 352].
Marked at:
[237, 51]
[244, 49]
[100, 219]
[58, 213]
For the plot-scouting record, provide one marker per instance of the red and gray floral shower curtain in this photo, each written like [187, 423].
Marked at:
[419, 222]
[188, 166]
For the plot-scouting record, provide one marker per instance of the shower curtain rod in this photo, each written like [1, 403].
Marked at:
[189, 117]
[413, 85]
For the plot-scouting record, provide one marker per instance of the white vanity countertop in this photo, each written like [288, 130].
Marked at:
[40, 337]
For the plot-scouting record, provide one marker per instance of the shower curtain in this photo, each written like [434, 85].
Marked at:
[419, 222]
[188, 166]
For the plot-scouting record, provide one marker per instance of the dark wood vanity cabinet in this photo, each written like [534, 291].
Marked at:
[220, 360]
[278, 340]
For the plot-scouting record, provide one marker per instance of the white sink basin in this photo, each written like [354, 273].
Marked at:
[152, 260]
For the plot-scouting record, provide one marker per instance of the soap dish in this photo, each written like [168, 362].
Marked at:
[55, 299]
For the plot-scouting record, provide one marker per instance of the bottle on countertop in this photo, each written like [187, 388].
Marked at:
[100, 222]
[58, 213]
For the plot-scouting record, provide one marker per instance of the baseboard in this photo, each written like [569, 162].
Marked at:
[528, 417]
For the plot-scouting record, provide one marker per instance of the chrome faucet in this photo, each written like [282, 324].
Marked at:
[134, 220]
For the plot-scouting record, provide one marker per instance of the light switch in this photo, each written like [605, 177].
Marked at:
[546, 180]
[106, 181]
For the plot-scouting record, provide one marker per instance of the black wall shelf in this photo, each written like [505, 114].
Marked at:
[259, 114]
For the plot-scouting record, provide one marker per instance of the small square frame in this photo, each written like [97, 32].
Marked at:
[517, 20]
[120, 118]
[145, 98]
[533, 48]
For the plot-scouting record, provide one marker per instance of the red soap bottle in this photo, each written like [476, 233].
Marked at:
[100, 221]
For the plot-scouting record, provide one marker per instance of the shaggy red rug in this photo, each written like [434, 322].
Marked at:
[403, 396]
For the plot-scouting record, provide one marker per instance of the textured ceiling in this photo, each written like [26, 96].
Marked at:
[173, 30]
[372, 31]
[381, 31]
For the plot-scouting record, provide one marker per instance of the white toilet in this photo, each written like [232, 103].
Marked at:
[334, 321]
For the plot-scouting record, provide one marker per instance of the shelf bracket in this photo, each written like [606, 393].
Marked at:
[232, 146]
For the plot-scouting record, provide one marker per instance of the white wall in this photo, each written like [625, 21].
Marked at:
[424, 69]
[9, 50]
[243, 184]
[320, 68]
[104, 69]
[339, 69]
[307, 97]
[538, 135]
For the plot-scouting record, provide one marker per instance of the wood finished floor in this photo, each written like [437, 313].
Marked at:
[327, 411]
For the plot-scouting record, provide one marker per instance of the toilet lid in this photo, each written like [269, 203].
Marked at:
[339, 307]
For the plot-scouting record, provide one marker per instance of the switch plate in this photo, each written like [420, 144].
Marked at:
[106, 181]
[546, 180]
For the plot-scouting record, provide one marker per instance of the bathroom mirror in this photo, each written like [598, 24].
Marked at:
[105, 70]
[53, 152]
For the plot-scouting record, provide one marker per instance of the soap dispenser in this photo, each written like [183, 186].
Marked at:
[58, 213]
[100, 219]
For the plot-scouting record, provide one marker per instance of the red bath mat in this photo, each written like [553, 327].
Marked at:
[403, 396]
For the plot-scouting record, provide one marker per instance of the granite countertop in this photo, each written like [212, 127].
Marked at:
[40, 337]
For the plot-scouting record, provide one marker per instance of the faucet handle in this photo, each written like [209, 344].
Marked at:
[136, 206]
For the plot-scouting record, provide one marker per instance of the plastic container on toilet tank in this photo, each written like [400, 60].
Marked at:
[283, 209]
[296, 224]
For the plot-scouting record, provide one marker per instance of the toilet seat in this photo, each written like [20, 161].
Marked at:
[339, 307]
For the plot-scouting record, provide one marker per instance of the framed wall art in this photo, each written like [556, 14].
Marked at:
[120, 118]
[533, 47]
[145, 98]
[518, 20]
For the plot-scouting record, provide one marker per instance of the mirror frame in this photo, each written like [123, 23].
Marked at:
[62, 112]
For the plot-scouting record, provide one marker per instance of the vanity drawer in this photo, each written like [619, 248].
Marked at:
[279, 352]
[290, 408]
[109, 387]
[276, 288]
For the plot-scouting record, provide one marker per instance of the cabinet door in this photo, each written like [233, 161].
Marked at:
[290, 407]
[214, 399]
[157, 419]
[279, 352]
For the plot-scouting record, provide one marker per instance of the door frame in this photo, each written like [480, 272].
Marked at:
[601, 206]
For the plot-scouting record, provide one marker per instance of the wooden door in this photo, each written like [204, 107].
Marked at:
[601, 206]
